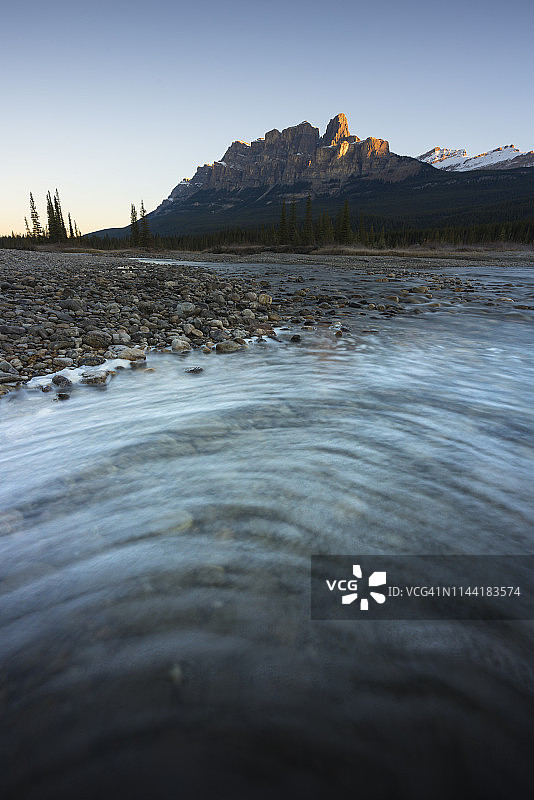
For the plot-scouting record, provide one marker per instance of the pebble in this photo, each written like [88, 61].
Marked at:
[60, 309]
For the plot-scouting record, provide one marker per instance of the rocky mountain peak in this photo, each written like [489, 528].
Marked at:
[337, 131]
[296, 155]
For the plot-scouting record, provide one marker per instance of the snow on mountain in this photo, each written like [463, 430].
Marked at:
[507, 157]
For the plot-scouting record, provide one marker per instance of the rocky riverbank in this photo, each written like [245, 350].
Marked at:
[66, 310]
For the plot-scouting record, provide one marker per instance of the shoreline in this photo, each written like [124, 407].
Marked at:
[63, 311]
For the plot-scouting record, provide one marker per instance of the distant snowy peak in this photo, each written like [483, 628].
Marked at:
[439, 154]
[507, 157]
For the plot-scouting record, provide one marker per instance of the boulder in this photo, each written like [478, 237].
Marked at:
[95, 378]
[180, 344]
[228, 346]
[97, 339]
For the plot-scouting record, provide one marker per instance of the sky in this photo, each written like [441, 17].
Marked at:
[115, 101]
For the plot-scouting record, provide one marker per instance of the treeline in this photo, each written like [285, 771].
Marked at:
[292, 232]
[322, 230]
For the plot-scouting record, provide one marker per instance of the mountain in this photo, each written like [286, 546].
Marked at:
[297, 155]
[507, 157]
[246, 188]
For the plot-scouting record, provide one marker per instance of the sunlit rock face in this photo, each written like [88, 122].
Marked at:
[336, 131]
[299, 154]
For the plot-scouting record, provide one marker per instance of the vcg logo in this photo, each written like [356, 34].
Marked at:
[351, 587]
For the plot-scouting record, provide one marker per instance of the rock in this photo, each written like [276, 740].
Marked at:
[184, 309]
[131, 354]
[91, 361]
[97, 339]
[61, 380]
[12, 330]
[228, 346]
[295, 338]
[63, 362]
[248, 314]
[8, 377]
[121, 337]
[5, 366]
[70, 304]
[194, 370]
[95, 378]
[180, 344]
[265, 299]
[62, 396]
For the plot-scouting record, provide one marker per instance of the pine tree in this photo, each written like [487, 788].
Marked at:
[28, 232]
[345, 231]
[293, 230]
[283, 230]
[59, 217]
[134, 228]
[145, 236]
[54, 231]
[362, 233]
[319, 229]
[37, 230]
[71, 232]
[307, 234]
[328, 228]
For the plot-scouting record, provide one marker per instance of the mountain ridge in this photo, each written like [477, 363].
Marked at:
[248, 185]
[506, 157]
[298, 153]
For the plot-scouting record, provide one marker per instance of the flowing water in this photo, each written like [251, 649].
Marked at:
[155, 557]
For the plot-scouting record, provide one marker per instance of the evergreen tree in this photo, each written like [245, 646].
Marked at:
[37, 231]
[283, 230]
[293, 230]
[345, 231]
[134, 228]
[54, 230]
[71, 231]
[328, 229]
[319, 229]
[59, 218]
[307, 234]
[362, 233]
[145, 236]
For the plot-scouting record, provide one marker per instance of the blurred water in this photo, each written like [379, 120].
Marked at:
[154, 568]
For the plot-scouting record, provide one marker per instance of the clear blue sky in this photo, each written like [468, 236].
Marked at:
[113, 101]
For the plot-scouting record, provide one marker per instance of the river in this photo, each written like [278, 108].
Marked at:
[155, 543]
